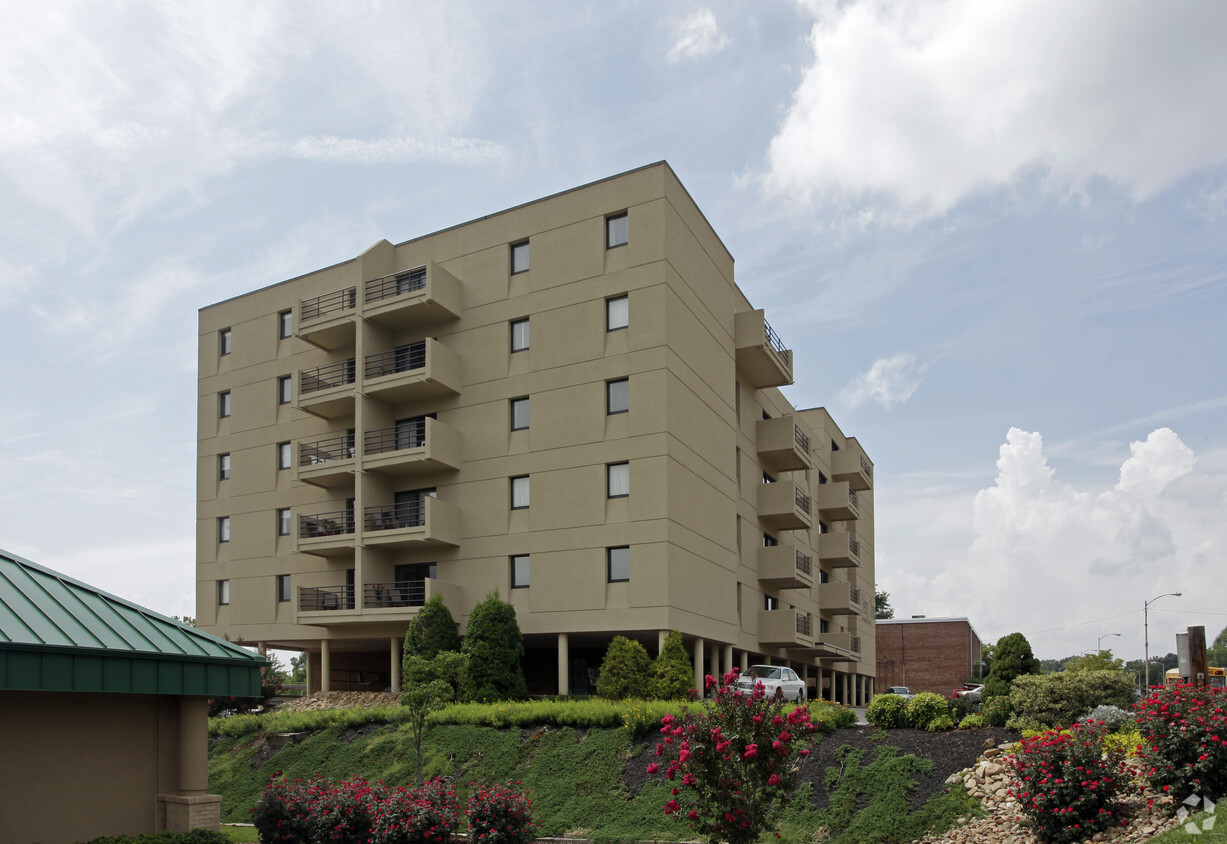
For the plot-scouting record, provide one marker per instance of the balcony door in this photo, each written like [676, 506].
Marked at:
[411, 507]
[410, 587]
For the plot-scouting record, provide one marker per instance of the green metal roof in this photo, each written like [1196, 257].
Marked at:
[58, 634]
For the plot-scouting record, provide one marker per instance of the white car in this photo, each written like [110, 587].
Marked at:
[777, 680]
[903, 692]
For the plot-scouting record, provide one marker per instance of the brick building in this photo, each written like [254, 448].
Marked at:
[927, 654]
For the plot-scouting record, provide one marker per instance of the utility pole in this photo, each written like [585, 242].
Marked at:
[1199, 673]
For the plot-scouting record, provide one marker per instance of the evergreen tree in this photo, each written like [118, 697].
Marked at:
[495, 648]
[625, 671]
[1216, 654]
[432, 630]
[672, 671]
[1012, 656]
[882, 607]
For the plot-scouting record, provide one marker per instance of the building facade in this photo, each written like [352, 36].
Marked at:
[927, 654]
[569, 403]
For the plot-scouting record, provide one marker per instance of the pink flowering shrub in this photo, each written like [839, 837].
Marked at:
[500, 815]
[1184, 745]
[733, 762]
[354, 812]
[1066, 787]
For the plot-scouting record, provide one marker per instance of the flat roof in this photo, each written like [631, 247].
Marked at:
[927, 620]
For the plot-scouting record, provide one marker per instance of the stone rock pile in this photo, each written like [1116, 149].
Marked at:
[1146, 812]
[339, 700]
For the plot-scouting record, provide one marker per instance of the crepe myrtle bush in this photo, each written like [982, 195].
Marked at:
[733, 762]
[1184, 730]
[1065, 784]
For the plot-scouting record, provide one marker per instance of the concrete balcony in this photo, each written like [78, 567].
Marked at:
[839, 598]
[837, 502]
[327, 462]
[327, 391]
[328, 534]
[379, 601]
[412, 299]
[785, 506]
[328, 321]
[839, 550]
[783, 444]
[785, 628]
[412, 524]
[425, 369]
[420, 445]
[842, 644]
[851, 465]
[762, 360]
[785, 567]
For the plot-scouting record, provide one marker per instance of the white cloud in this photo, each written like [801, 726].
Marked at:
[890, 382]
[697, 36]
[912, 106]
[399, 150]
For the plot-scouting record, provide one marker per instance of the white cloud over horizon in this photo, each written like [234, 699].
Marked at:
[697, 36]
[890, 382]
[907, 108]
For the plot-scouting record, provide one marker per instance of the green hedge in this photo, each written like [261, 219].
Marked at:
[1047, 701]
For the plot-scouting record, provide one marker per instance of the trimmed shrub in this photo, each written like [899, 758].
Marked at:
[1058, 700]
[499, 815]
[887, 712]
[432, 630]
[1012, 657]
[972, 722]
[672, 671]
[495, 648]
[1185, 750]
[624, 670]
[923, 709]
[829, 717]
[996, 710]
[192, 836]
[961, 707]
[940, 724]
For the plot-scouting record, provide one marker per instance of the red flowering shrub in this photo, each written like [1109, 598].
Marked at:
[1184, 732]
[500, 815]
[732, 762]
[423, 815]
[1067, 787]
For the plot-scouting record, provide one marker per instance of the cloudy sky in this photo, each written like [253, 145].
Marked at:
[994, 235]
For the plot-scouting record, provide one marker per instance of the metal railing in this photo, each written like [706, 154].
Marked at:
[852, 499]
[329, 303]
[854, 594]
[805, 564]
[803, 502]
[805, 624]
[866, 468]
[773, 339]
[854, 547]
[393, 516]
[327, 376]
[401, 359]
[398, 593]
[802, 439]
[313, 598]
[325, 524]
[397, 284]
[411, 434]
[326, 450]
[856, 644]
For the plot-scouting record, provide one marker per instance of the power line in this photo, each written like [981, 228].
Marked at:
[1081, 624]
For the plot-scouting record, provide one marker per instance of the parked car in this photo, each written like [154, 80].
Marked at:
[903, 692]
[971, 691]
[777, 681]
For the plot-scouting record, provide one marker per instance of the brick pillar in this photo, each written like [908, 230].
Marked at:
[191, 807]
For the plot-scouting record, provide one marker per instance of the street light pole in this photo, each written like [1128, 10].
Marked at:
[1146, 627]
[1099, 644]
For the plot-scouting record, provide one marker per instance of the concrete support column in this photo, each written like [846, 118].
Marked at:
[396, 651]
[564, 664]
[325, 665]
[847, 688]
[745, 661]
[698, 665]
[727, 667]
[713, 667]
[193, 745]
[661, 636]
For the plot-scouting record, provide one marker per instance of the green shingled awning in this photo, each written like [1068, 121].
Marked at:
[58, 634]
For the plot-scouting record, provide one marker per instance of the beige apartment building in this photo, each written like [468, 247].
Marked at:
[569, 403]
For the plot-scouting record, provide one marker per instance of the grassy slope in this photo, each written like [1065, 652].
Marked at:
[574, 780]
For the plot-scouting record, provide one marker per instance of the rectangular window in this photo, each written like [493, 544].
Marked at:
[285, 389]
[223, 529]
[823, 577]
[618, 563]
[519, 571]
[223, 342]
[223, 404]
[617, 312]
[824, 626]
[285, 324]
[617, 230]
[519, 335]
[283, 522]
[285, 456]
[283, 588]
[770, 603]
[519, 492]
[223, 467]
[223, 593]
[619, 479]
[519, 414]
[617, 396]
[519, 257]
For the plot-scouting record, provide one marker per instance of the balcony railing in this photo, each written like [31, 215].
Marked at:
[393, 516]
[803, 502]
[326, 377]
[854, 595]
[852, 499]
[316, 598]
[397, 593]
[802, 439]
[402, 359]
[856, 645]
[773, 340]
[326, 450]
[397, 284]
[325, 524]
[411, 434]
[854, 547]
[866, 468]
[329, 303]
[805, 564]
[805, 624]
